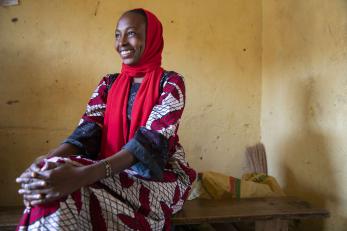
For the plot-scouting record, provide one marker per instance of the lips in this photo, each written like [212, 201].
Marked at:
[126, 53]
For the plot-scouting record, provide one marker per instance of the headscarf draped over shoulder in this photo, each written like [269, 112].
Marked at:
[117, 131]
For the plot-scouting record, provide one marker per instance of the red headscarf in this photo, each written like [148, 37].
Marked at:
[116, 131]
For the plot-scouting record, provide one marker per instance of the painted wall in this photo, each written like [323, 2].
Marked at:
[53, 53]
[304, 102]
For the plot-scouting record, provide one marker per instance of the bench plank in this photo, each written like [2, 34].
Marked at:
[9, 216]
[248, 209]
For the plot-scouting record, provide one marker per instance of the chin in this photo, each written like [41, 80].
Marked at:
[128, 61]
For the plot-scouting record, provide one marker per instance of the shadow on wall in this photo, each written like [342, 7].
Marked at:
[307, 169]
[44, 99]
[300, 43]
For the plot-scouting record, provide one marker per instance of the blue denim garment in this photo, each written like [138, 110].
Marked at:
[151, 150]
[87, 137]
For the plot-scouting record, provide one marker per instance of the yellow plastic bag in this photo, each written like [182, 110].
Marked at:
[259, 185]
[213, 185]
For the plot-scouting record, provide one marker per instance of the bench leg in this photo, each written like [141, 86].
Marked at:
[271, 225]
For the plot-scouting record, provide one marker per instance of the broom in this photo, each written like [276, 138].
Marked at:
[256, 159]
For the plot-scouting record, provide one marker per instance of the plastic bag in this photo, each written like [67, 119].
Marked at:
[213, 185]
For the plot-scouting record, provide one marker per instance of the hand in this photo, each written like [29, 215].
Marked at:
[34, 167]
[52, 184]
[28, 179]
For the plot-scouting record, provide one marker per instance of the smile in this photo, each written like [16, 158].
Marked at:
[125, 53]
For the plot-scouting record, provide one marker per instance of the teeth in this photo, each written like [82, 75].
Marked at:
[125, 52]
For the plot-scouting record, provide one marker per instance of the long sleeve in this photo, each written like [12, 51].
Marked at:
[153, 144]
[87, 135]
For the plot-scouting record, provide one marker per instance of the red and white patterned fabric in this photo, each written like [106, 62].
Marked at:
[125, 201]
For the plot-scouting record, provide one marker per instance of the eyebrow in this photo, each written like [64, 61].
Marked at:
[132, 27]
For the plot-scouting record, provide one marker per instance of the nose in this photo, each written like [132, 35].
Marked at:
[123, 40]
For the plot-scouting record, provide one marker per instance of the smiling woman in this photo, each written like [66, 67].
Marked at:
[131, 36]
[122, 168]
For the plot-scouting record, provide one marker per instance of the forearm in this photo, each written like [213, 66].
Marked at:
[120, 161]
[63, 150]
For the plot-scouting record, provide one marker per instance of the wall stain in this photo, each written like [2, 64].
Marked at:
[96, 8]
[207, 107]
[10, 102]
[14, 20]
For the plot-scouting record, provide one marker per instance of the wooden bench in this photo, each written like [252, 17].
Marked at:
[267, 213]
[9, 217]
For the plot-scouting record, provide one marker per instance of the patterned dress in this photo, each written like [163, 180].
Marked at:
[142, 197]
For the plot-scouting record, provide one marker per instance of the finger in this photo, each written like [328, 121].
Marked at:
[35, 167]
[48, 174]
[38, 202]
[32, 197]
[34, 185]
[33, 174]
[53, 196]
[49, 165]
[48, 198]
[37, 164]
[29, 174]
[25, 172]
[44, 175]
[45, 191]
[23, 180]
[24, 191]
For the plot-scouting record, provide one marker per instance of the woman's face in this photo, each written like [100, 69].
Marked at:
[130, 37]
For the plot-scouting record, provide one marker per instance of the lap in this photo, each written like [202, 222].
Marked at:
[123, 201]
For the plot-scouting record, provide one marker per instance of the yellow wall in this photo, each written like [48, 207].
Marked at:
[52, 58]
[304, 102]
[285, 59]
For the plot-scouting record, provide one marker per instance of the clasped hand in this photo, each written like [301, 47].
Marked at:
[50, 182]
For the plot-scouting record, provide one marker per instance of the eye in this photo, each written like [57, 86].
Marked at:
[117, 35]
[131, 33]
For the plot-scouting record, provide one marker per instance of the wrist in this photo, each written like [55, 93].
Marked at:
[92, 173]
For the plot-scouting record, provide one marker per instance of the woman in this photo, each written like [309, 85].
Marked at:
[131, 173]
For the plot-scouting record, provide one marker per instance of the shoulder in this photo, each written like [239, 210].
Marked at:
[172, 77]
[108, 79]
[172, 84]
